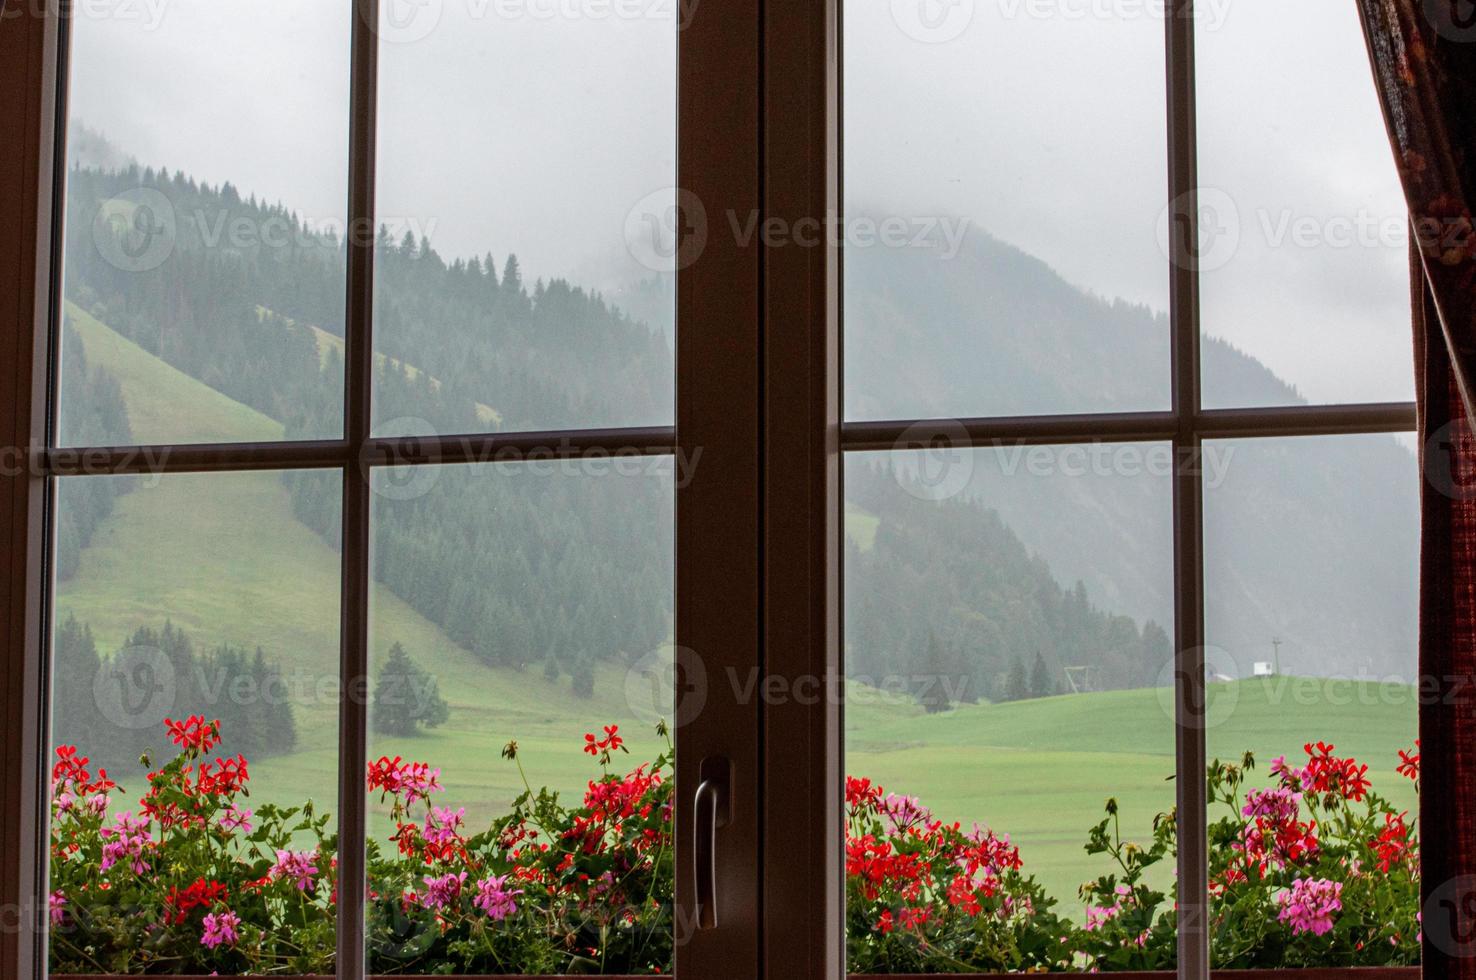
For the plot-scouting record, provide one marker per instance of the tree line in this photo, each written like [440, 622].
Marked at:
[561, 572]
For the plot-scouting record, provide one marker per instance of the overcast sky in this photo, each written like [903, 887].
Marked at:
[537, 125]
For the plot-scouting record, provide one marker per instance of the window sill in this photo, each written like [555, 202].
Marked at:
[1320, 973]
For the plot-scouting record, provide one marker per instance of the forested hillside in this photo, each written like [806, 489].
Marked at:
[1002, 588]
[556, 572]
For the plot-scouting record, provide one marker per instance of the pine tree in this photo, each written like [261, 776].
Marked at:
[933, 681]
[582, 681]
[1041, 684]
[1017, 688]
[406, 697]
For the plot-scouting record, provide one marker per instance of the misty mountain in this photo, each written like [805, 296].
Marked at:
[1311, 541]
[992, 331]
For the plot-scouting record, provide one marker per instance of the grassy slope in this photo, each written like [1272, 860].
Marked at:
[224, 557]
[328, 341]
[1042, 770]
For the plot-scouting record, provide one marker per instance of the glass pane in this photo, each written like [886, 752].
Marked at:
[1303, 260]
[195, 660]
[1004, 170]
[526, 262]
[1312, 550]
[1009, 667]
[521, 648]
[204, 273]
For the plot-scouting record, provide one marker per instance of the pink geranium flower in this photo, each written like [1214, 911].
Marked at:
[297, 865]
[126, 840]
[495, 899]
[443, 891]
[1310, 904]
[236, 818]
[220, 929]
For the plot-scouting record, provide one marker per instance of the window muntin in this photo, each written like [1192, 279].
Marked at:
[1387, 420]
[1195, 414]
[322, 489]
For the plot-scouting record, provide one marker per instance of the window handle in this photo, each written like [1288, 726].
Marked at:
[711, 811]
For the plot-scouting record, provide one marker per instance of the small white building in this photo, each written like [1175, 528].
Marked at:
[1263, 668]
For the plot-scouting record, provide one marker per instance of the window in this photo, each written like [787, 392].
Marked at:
[386, 607]
[487, 434]
[1119, 528]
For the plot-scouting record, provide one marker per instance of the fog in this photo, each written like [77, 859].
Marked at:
[536, 126]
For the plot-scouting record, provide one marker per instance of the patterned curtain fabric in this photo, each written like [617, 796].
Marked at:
[1424, 62]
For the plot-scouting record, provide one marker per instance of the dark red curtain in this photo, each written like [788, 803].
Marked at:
[1424, 61]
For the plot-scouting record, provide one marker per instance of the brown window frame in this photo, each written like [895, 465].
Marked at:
[1185, 426]
[759, 394]
[717, 508]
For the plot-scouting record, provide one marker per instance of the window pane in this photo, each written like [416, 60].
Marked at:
[1311, 569]
[521, 645]
[1004, 170]
[193, 600]
[1303, 262]
[204, 280]
[1009, 666]
[525, 276]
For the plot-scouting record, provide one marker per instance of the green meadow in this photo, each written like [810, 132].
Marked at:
[224, 558]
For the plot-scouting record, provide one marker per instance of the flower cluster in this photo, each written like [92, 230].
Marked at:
[1314, 869]
[548, 888]
[189, 880]
[923, 894]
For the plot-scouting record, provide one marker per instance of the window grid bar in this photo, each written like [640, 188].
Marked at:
[353, 705]
[1188, 497]
[871, 436]
[1274, 421]
[366, 451]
